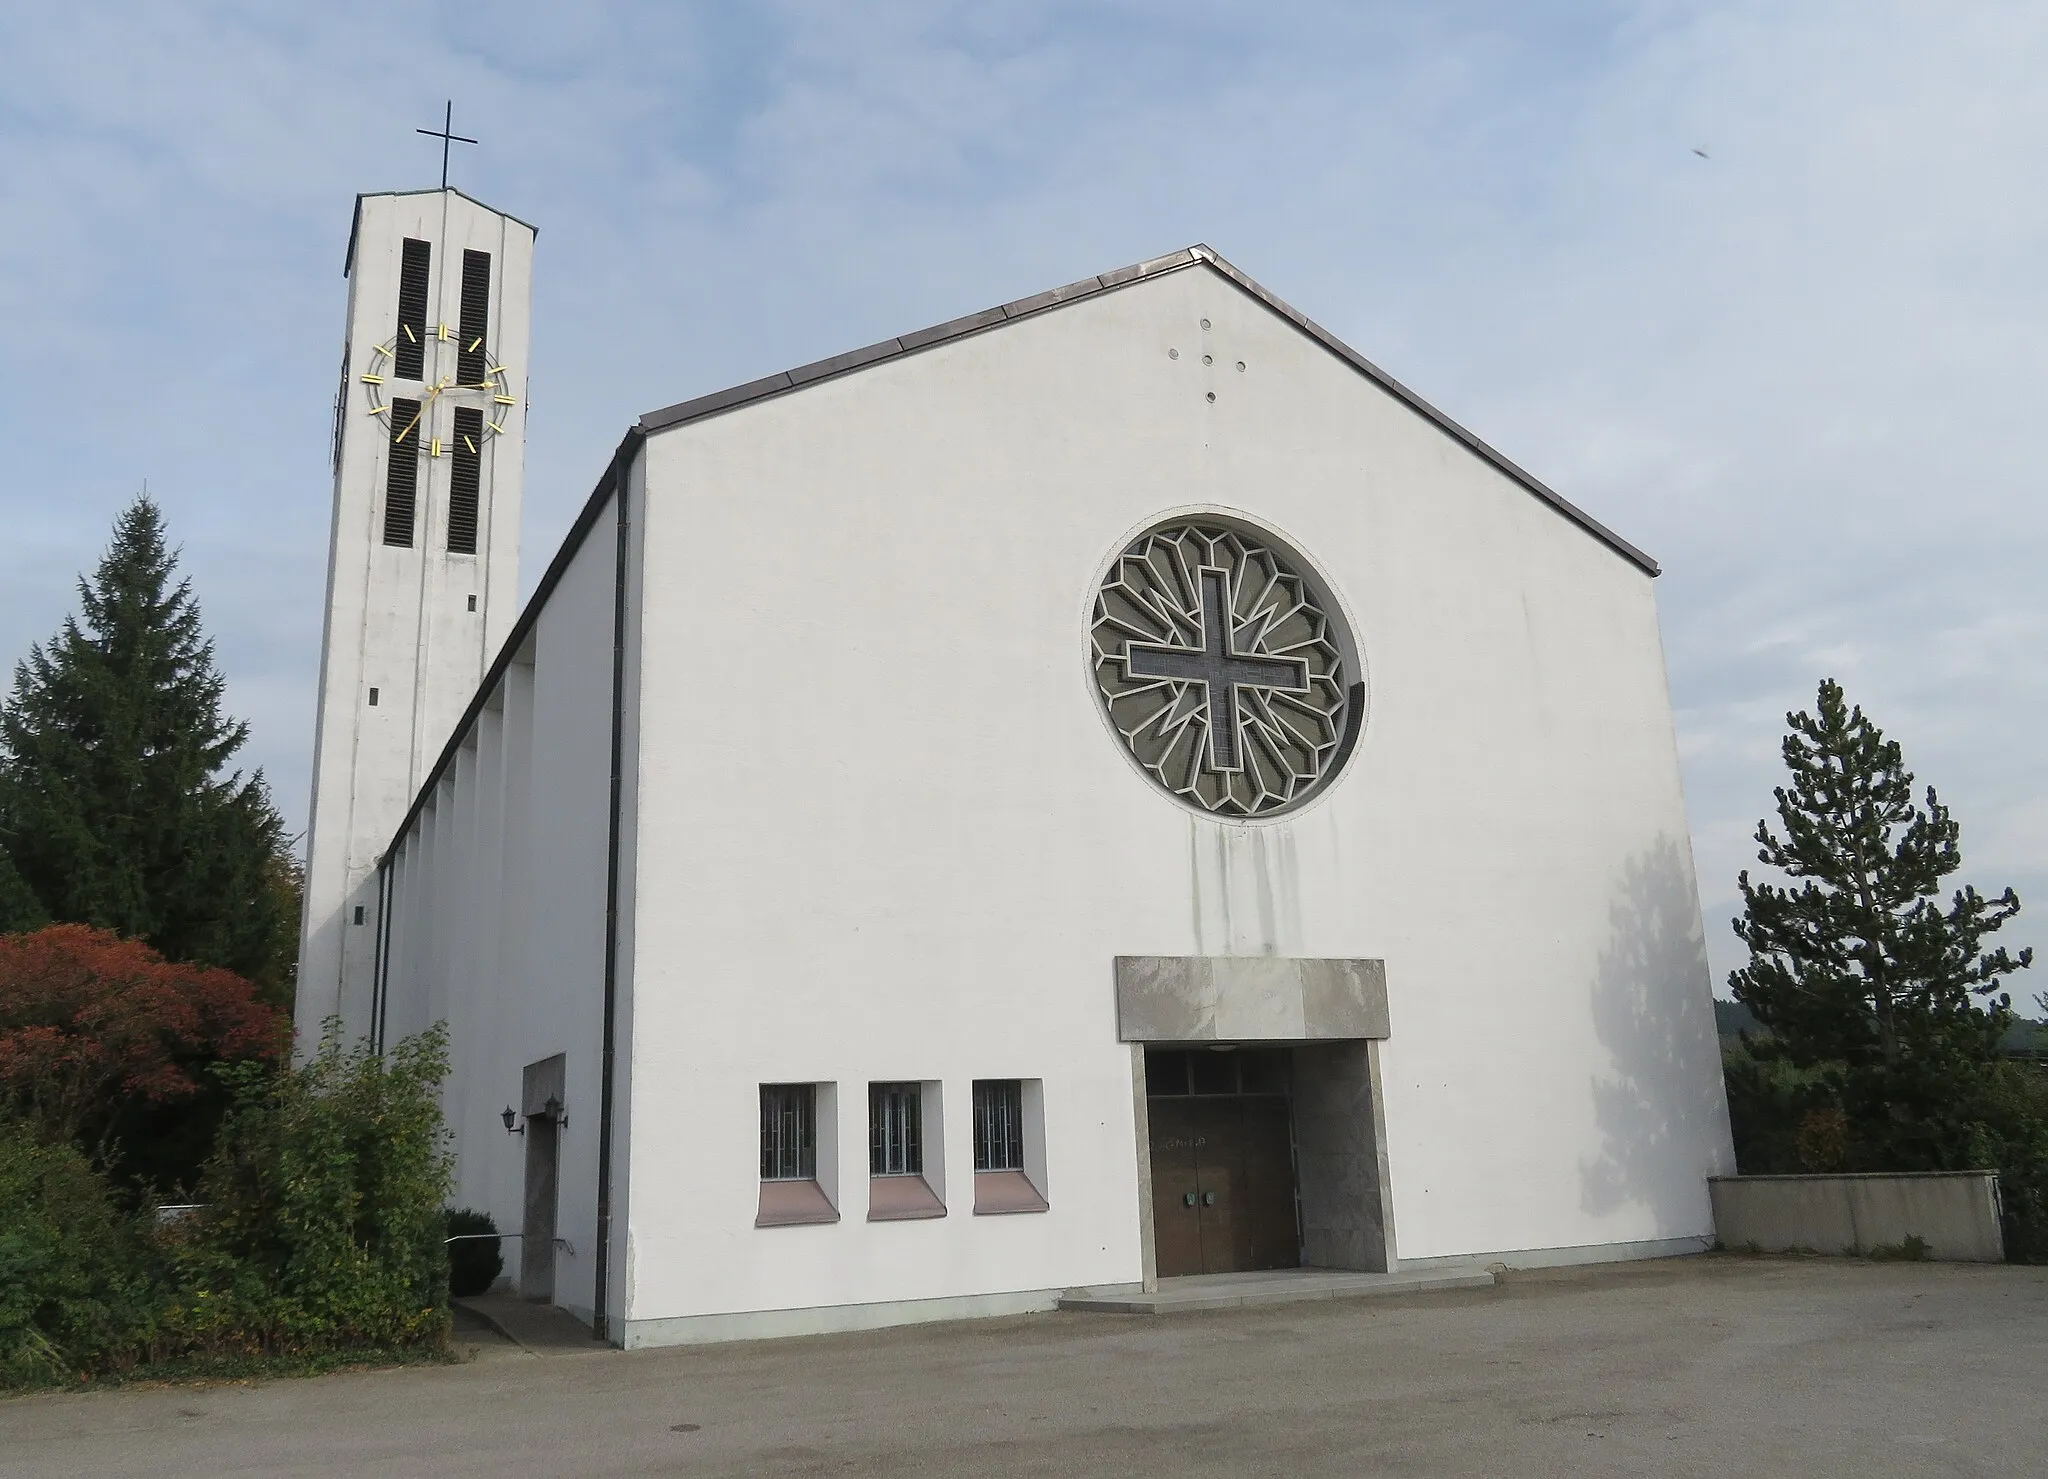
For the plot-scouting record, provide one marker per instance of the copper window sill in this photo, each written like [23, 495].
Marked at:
[902, 1199]
[794, 1204]
[1000, 1193]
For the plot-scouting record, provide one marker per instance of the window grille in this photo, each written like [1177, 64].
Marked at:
[402, 477]
[895, 1130]
[998, 1124]
[789, 1132]
[465, 480]
[472, 359]
[409, 353]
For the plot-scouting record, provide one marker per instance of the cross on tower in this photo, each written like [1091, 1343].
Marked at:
[1220, 669]
[445, 133]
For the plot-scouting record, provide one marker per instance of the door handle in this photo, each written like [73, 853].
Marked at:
[1188, 1200]
[1208, 1198]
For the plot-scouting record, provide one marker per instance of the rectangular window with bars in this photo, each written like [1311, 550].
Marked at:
[408, 354]
[473, 356]
[797, 1143]
[1009, 1146]
[789, 1132]
[998, 1124]
[465, 480]
[895, 1130]
[402, 476]
[906, 1163]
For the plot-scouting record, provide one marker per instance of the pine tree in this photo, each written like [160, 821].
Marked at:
[116, 807]
[1858, 963]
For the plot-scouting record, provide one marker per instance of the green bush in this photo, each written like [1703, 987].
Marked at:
[323, 1206]
[2011, 1134]
[74, 1273]
[320, 1233]
[1779, 1112]
[474, 1262]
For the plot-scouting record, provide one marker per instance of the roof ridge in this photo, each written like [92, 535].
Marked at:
[784, 381]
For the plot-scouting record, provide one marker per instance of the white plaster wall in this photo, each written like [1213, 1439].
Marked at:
[398, 619]
[884, 833]
[498, 928]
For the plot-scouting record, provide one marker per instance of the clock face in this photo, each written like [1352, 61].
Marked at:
[431, 429]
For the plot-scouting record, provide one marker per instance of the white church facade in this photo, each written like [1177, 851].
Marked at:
[1108, 788]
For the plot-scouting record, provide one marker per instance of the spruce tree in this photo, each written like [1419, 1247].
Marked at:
[1857, 962]
[116, 805]
[20, 909]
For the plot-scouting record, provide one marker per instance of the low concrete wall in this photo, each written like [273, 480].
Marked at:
[1954, 1212]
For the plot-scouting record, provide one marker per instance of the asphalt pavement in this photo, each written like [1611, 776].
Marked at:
[1717, 1366]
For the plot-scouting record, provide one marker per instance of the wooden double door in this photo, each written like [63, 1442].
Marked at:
[1222, 1184]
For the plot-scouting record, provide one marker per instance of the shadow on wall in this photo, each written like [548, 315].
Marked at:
[1662, 1113]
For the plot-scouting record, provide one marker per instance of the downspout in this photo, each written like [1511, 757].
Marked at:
[380, 991]
[600, 1323]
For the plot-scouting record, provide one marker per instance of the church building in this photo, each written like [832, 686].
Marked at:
[1105, 789]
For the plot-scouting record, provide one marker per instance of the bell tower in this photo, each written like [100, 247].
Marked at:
[423, 552]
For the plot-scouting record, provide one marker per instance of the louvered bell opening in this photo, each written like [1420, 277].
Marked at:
[402, 475]
[465, 480]
[409, 355]
[474, 361]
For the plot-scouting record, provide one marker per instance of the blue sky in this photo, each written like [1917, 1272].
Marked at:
[1805, 372]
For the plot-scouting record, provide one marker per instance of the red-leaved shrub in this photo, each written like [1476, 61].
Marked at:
[90, 1022]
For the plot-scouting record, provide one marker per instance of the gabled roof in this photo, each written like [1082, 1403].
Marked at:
[355, 224]
[1087, 287]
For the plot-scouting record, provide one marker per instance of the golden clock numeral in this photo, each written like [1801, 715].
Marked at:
[410, 334]
[495, 370]
[380, 349]
[434, 449]
[441, 332]
[469, 444]
[505, 400]
[495, 427]
[377, 410]
[474, 343]
[373, 379]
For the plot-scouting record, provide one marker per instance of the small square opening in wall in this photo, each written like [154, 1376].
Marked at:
[1009, 1145]
[904, 1139]
[472, 603]
[798, 1142]
[373, 698]
[359, 914]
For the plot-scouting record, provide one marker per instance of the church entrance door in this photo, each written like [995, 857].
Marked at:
[1223, 1191]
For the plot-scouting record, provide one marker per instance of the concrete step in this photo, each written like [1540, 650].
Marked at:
[544, 1329]
[1273, 1286]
